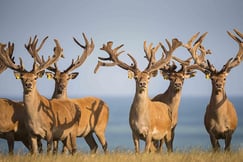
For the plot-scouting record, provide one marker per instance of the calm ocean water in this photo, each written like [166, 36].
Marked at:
[190, 131]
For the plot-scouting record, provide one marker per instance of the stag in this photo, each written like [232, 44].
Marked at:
[220, 118]
[149, 120]
[95, 112]
[176, 77]
[47, 119]
[12, 127]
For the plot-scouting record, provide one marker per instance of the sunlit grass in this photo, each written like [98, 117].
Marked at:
[128, 156]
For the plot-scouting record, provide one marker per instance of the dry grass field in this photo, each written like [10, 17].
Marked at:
[195, 155]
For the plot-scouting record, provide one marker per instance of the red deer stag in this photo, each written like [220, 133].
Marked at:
[172, 96]
[95, 112]
[149, 120]
[47, 119]
[12, 115]
[220, 118]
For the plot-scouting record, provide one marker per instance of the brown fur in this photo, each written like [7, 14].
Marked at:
[12, 127]
[94, 111]
[149, 120]
[220, 118]
[47, 119]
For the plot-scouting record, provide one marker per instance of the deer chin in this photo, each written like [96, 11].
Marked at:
[177, 88]
[27, 91]
[218, 90]
[142, 89]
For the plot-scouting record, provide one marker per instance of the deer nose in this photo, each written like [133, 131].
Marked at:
[142, 84]
[218, 84]
[178, 84]
[28, 85]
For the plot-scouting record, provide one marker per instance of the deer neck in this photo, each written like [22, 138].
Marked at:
[172, 97]
[60, 93]
[140, 101]
[32, 100]
[217, 97]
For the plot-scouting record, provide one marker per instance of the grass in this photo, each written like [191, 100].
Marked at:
[128, 156]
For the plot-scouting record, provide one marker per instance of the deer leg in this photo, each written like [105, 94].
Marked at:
[49, 145]
[136, 143]
[73, 143]
[228, 138]
[34, 145]
[10, 140]
[148, 143]
[154, 146]
[40, 150]
[169, 141]
[91, 142]
[101, 136]
[214, 142]
[160, 148]
[65, 149]
[55, 147]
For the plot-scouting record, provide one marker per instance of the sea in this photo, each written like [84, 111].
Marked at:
[190, 132]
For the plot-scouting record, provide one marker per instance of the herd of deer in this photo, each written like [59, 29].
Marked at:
[152, 120]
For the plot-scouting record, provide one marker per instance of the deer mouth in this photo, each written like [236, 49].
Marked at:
[177, 87]
[142, 88]
[219, 88]
[27, 90]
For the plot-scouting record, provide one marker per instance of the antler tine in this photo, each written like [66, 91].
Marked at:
[167, 54]
[239, 56]
[3, 67]
[147, 50]
[184, 62]
[150, 52]
[33, 50]
[88, 49]
[190, 42]
[113, 56]
[58, 52]
[103, 64]
[8, 60]
[200, 61]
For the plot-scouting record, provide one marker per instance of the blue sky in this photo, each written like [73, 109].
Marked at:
[127, 22]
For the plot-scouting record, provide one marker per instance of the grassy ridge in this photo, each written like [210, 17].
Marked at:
[182, 156]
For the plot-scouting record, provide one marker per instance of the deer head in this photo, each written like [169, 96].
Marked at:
[218, 77]
[141, 77]
[177, 76]
[170, 71]
[62, 77]
[29, 78]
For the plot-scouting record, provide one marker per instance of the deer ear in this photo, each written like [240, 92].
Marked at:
[41, 73]
[207, 75]
[73, 75]
[165, 75]
[189, 75]
[154, 73]
[49, 75]
[130, 74]
[17, 75]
